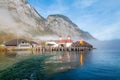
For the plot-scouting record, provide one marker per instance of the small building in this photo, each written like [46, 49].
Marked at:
[34, 44]
[82, 43]
[65, 42]
[20, 44]
[51, 44]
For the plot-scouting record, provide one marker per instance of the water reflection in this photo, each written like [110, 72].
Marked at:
[60, 65]
[10, 54]
[94, 65]
[64, 61]
[81, 58]
[11, 57]
[46, 64]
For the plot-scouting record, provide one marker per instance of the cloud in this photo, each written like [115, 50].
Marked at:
[55, 8]
[99, 17]
[83, 3]
[109, 32]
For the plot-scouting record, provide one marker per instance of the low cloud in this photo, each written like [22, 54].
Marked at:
[110, 32]
[83, 3]
[99, 18]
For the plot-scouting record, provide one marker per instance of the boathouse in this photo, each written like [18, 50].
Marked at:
[82, 43]
[20, 44]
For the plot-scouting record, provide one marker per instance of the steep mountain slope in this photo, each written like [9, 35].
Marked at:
[18, 17]
[62, 25]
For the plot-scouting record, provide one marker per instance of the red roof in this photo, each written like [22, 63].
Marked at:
[65, 41]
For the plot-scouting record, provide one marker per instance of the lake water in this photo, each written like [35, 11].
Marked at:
[98, 64]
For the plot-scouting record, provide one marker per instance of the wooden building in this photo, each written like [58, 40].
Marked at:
[81, 43]
[20, 44]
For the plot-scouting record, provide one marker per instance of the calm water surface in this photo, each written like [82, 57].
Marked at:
[98, 64]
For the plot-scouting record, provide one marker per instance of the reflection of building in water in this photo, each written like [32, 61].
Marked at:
[74, 59]
[65, 61]
[5, 55]
[11, 54]
[23, 53]
[81, 58]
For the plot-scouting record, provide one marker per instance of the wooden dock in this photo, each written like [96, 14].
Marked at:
[50, 49]
[43, 49]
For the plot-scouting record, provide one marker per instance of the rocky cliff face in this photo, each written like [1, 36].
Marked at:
[20, 18]
[62, 25]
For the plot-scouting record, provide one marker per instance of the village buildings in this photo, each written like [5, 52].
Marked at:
[20, 44]
[65, 42]
[61, 43]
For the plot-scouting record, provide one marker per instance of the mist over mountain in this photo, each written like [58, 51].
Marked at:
[19, 18]
[107, 44]
[62, 25]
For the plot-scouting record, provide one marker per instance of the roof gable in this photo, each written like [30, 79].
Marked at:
[16, 42]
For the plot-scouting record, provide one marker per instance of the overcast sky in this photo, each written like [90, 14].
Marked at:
[101, 18]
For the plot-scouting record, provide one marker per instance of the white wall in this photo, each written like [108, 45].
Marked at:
[24, 45]
[68, 44]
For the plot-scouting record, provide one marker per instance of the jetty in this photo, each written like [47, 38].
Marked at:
[51, 49]
[47, 46]
[76, 46]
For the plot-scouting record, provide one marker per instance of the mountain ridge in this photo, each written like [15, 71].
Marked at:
[59, 22]
[23, 20]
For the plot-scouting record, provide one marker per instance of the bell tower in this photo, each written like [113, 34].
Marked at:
[68, 38]
[60, 38]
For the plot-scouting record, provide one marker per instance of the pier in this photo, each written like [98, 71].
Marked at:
[48, 46]
[51, 49]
